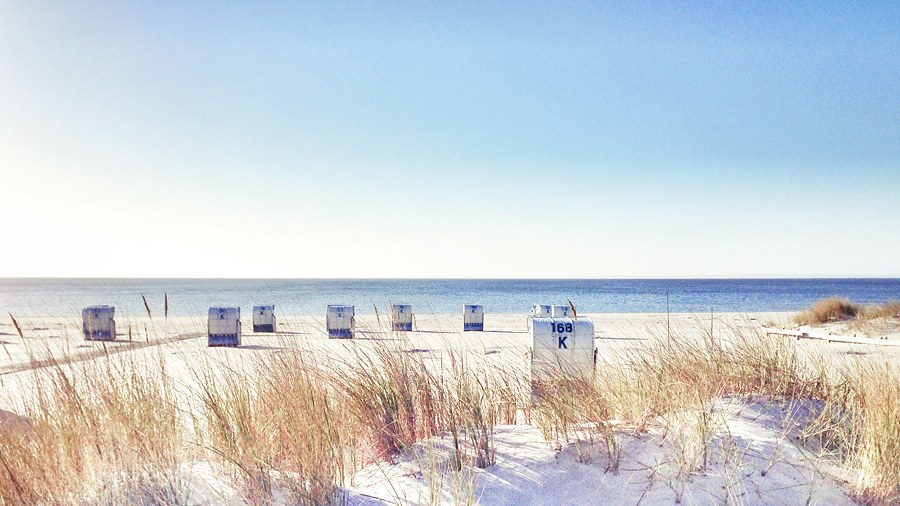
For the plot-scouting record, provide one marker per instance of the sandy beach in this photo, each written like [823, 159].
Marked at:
[529, 469]
[185, 337]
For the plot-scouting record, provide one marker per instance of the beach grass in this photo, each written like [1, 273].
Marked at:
[101, 432]
[876, 311]
[839, 309]
[828, 310]
[286, 427]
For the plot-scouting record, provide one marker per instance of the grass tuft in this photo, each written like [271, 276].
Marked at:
[828, 310]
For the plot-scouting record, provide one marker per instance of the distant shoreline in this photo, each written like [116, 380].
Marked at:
[187, 297]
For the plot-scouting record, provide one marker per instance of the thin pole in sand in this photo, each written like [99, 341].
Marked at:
[711, 320]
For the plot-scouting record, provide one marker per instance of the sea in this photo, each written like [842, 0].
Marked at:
[193, 297]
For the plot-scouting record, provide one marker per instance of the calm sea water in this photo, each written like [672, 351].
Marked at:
[64, 296]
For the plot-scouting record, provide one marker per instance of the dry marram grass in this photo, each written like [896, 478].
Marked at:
[831, 309]
[287, 428]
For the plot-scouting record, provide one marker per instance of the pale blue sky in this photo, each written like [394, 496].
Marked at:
[437, 139]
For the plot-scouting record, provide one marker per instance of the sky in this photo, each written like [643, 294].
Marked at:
[449, 139]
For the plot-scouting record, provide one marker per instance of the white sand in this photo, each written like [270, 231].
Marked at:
[750, 460]
[751, 457]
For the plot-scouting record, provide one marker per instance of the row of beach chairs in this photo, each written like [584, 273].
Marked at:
[559, 338]
[224, 323]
